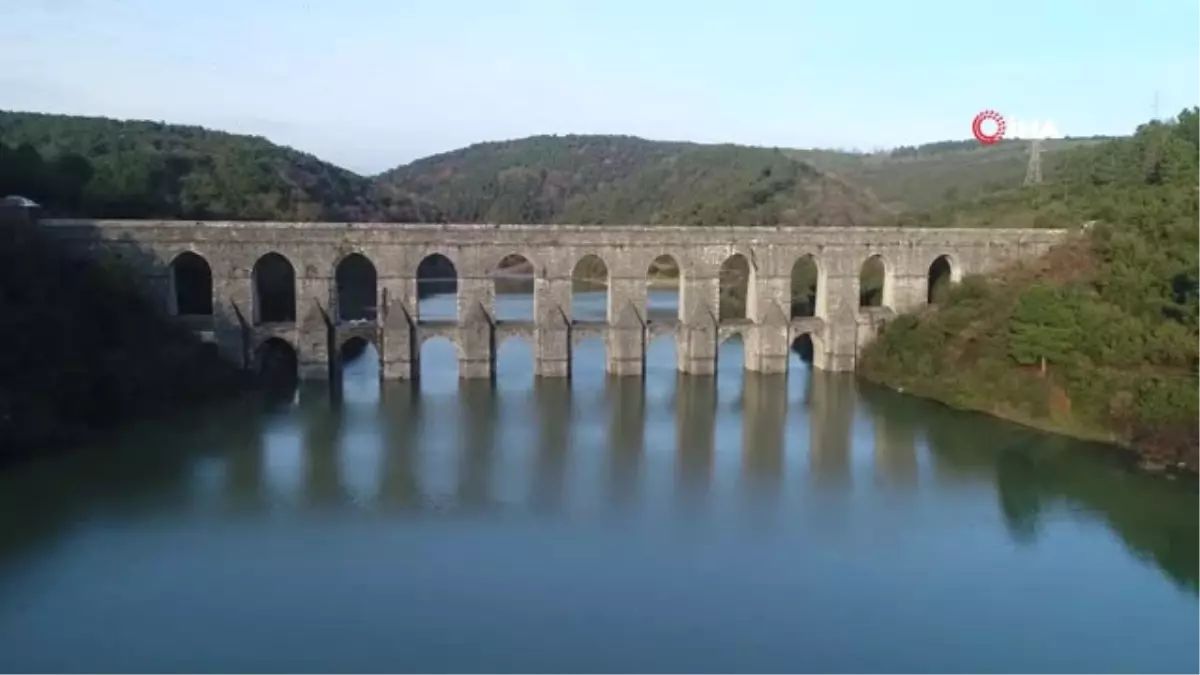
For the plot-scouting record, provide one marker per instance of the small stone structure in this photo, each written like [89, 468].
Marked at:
[838, 330]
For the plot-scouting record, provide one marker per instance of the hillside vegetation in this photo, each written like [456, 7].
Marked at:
[920, 178]
[134, 169]
[623, 179]
[117, 168]
[1099, 338]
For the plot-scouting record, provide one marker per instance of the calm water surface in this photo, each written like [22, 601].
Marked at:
[758, 524]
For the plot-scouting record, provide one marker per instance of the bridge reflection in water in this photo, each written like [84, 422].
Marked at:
[593, 442]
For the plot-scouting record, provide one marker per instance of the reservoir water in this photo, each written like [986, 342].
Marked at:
[737, 524]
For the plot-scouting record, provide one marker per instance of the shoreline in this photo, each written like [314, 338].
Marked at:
[1139, 457]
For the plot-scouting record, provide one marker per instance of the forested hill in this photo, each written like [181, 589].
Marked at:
[624, 179]
[918, 178]
[1100, 337]
[112, 168]
[133, 169]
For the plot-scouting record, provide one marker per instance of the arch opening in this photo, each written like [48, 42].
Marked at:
[941, 275]
[513, 284]
[589, 289]
[514, 363]
[872, 282]
[354, 349]
[438, 366]
[357, 288]
[437, 289]
[274, 289]
[731, 369]
[805, 280]
[276, 363]
[589, 362]
[803, 348]
[736, 283]
[191, 285]
[360, 365]
[664, 288]
[662, 367]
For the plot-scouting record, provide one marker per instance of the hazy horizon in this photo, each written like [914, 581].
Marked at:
[370, 85]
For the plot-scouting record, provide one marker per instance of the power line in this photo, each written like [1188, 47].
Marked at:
[1033, 171]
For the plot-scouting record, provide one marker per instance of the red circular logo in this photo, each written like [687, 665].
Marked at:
[977, 127]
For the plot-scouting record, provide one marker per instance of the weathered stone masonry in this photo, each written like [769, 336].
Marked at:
[839, 329]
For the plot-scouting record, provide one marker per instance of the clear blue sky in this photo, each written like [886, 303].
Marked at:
[370, 84]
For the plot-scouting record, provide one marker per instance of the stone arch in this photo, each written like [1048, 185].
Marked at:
[357, 288]
[663, 273]
[806, 288]
[437, 275]
[515, 357]
[532, 260]
[359, 366]
[515, 338]
[424, 357]
[448, 337]
[589, 354]
[586, 333]
[513, 287]
[275, 358]
[352, 346]
[191, 285]
[729, 331]
[942, 272]
[805, 346]
[589, 272]
[662, 353]
[874, 282]
[737, 288]
[733, 353]
[727, 335]
[274, 281]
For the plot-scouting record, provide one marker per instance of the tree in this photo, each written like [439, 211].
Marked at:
[1042, 327]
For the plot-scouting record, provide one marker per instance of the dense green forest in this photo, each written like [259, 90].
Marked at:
[623, 179]
[1099, 338]
[116, 168]
[134, 169]
[586, 179]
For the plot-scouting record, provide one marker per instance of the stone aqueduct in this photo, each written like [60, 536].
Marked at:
[233, 251]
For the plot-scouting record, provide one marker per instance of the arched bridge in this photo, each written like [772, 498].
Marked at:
[316, 285]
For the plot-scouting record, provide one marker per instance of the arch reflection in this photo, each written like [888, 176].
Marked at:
[764, 419]
[894, 427]
[627, 420]
[399, 485]
[552, 397]
[832, 400]
[478, 415]
[695, 434]
[323, 471]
